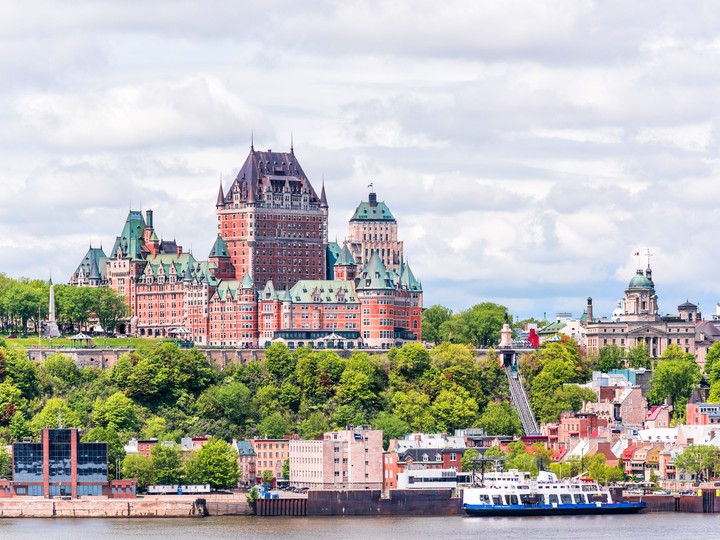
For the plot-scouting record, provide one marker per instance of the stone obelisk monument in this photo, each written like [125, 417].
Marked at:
[51, 327]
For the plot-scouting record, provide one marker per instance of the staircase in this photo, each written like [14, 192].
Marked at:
[521, 403]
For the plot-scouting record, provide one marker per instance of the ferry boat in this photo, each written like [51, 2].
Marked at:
[514, 493]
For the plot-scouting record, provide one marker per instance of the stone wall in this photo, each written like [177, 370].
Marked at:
[100, 507]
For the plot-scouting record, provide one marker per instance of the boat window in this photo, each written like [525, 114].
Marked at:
[540, 498]
[497, 500]
[565, 498]
[579, 499]
[552, 498]
[484, 499]
[526, 498]
[512, 499]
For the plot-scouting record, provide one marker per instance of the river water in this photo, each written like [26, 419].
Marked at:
[662, 525]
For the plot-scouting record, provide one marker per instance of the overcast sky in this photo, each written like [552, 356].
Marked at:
[527, 148]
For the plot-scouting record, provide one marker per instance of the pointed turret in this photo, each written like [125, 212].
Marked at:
[407, 279]
[345, 258]
[374, 275]
[221, 197]
[323, 198]
[219, 249]
[247, 282]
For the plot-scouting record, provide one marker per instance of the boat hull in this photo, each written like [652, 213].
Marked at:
[553, 510]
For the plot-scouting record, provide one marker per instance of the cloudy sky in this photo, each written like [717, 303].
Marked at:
[527, 148]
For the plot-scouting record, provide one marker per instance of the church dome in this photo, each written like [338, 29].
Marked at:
[639, 281]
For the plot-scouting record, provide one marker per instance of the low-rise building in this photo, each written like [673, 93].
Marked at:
[246, 462]
[347, 459]
[60, 466]
[270, 455]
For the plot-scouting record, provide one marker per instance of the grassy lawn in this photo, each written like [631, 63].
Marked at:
[100, 342]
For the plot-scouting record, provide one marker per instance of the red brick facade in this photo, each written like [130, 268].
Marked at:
[266, 278]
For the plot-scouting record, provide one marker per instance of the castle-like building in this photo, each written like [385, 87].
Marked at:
[271, 274]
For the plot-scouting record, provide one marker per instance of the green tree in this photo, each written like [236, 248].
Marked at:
[267, 477]
[216, 464]
[140, 467]
[279, 362]
[167, 464]
[274, 426]
[610, 357]
[483, 322]
[314, 425]
[355, 389]
[675, 380]
[639, 357]
[432, 319]
[413, 407]
[500, 418]
[392, 426]
[117, 410]
[711, 360]
[286, 469]
[5, 464]
[231, 400]
[699, 460]
[410, 361]
[18, 428]
[55, 412]
[454, 409]
[466, 463]
[109, 307]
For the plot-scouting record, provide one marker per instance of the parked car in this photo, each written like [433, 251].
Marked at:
[12, 336]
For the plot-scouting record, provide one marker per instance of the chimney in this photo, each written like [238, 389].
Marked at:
[148, 218]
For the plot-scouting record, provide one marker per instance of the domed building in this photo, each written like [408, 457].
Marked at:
[637, 321]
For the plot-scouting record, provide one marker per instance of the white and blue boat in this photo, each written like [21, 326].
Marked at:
[514, 493]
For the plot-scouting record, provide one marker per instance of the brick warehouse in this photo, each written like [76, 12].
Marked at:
[271, 274]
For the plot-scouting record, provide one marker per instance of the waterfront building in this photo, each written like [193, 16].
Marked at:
[347, 459]
[60, 466]
[246, 462]
[271, 274]
[270, 455]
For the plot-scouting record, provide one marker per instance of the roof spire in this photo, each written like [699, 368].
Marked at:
[221, 196]
[292, 150]
[323, 198]
[252, 141]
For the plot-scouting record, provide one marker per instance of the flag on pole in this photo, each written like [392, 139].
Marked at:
[370, 185]
[636, 254]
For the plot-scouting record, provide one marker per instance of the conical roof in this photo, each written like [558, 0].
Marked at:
[247, 282]
[219, 249]
[345, 258]
[374, 275]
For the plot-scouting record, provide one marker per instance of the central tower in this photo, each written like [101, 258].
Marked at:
[273, 222]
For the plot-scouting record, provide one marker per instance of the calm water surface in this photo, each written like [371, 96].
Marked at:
[666, 525]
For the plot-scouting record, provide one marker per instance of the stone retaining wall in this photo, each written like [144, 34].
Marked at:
[90, 507]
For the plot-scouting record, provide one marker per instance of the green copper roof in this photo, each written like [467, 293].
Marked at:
[323, 290]
[247, 282]
[374, 276]
[219, 249]
[407, 279]
[345, 258]
[372, 210]
[130, 242]
[268, 292]
[95, 259]
[639, 281]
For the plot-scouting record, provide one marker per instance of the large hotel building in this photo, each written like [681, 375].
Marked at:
[271, 275]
